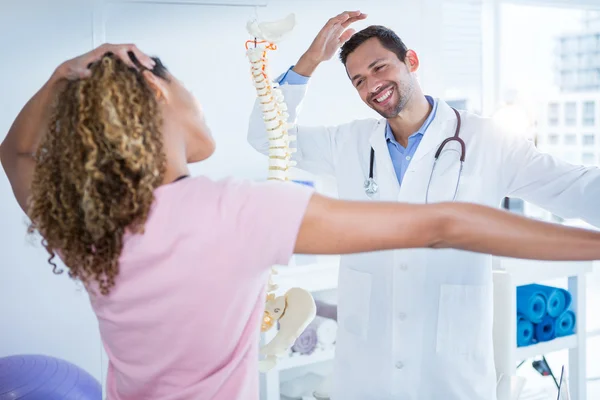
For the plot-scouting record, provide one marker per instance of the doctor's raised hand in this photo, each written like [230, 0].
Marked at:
[329, 39]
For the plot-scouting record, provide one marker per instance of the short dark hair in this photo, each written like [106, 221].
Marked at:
[386, 37]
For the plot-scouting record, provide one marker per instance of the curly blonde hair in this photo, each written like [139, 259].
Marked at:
[96, 171]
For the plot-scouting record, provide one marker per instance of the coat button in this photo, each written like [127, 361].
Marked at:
[399, 365]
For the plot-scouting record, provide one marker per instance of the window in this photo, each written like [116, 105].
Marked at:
[588, 158]
[570, 139]
[460, 48]
[571, 157]
[560, 69]
[570, 113]
[553, 113]
[589, 109]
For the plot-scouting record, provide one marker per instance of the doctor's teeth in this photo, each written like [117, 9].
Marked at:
[384, 97]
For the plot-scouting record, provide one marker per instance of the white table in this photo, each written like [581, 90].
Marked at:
[510, 273]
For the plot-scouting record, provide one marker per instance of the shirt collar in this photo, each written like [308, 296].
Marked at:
[389, 135]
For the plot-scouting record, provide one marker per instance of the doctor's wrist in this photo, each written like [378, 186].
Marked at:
[306, 65]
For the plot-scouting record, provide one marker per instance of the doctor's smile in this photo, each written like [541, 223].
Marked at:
[384, 96]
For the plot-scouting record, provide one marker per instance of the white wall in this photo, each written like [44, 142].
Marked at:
[204, 46]
[39, 312]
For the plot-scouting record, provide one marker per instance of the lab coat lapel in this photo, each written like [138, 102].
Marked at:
[440, 128]
[384, 173]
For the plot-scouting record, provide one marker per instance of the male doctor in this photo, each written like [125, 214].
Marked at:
[417, 324]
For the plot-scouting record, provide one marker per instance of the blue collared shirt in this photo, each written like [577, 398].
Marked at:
[399, 154]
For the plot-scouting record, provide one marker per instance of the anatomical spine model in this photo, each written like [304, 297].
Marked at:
[295, 309]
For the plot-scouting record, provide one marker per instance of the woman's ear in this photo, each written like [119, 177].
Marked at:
[158, 85]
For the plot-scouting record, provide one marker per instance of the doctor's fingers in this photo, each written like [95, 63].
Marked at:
[341, 34]
[346, 35]
[351, 20]
[342, 17]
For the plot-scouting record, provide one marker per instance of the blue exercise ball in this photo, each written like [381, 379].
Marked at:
[39, 377]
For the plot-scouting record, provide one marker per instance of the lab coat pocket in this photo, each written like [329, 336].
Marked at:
[354, 301]
[461, 330]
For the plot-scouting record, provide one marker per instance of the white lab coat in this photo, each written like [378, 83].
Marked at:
[417, 324]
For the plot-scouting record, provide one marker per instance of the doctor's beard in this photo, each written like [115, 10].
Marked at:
[404, 94]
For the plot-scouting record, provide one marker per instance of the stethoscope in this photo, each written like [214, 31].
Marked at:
[371, 187]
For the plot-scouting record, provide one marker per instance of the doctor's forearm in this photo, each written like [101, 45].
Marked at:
[306, 65]
[481, 229]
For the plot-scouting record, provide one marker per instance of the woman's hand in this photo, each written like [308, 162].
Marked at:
[77, 68]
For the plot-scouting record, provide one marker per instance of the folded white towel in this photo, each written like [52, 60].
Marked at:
[326, 330]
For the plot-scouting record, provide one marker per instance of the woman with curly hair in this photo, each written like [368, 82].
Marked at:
[176, 266]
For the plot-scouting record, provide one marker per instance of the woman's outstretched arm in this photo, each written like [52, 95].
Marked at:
[340, 227]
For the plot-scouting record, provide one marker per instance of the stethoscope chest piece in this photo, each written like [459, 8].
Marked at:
[371, 187]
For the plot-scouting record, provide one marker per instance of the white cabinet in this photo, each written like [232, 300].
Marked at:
[511, 273]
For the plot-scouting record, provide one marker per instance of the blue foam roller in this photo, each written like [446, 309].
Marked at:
[524, 331]
[39, 377]
[545, 330]
[531, 303]
[565, 324]
[557, 299]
